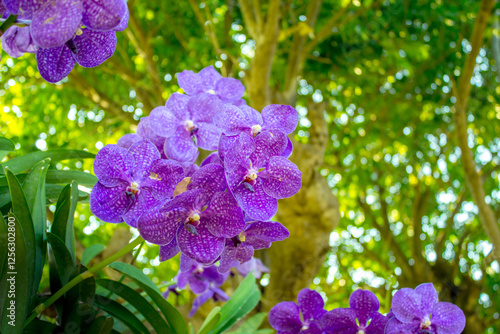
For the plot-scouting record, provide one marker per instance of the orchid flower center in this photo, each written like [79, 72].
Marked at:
[361, 331]
[242, 236]
[189, 125]
[256, 129]
[193, 219]
[425, 324]
[78, 31]
[133, 188]
[211, 91]
[250, 177]
[306, 326]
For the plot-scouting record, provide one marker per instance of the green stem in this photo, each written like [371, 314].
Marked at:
[86, 274]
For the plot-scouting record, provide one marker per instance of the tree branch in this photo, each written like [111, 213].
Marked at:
[472, 176]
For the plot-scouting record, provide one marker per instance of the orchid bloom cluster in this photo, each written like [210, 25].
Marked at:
[413, 312]
[206, 282]
[64, 32]
[219, 211]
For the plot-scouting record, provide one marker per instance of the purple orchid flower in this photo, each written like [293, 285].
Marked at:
[200, 219]
[254, 266]
[199, 277]
[208, 80]
[131, 182]
[418, 311]
[361, 318]
[257, 235]
[17, 40]
[285, 316]
[184, 119]
[257, 176]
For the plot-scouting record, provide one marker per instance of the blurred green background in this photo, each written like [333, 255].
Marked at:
[397, 188]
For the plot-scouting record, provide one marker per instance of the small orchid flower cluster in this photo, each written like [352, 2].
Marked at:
[64, 32]
[413, 312]
[206, 282]
[220, 211]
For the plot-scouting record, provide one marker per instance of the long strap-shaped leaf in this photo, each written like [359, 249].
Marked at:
[121, 313]
[26, 162]
[139, 302]
[64, 215]
[173, 317]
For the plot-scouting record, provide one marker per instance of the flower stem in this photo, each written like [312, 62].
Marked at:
[86, 274]
[7, 23]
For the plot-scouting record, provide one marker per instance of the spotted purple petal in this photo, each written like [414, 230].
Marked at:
[429, 297]
[55, 64]
[364, 303]
[394, 326]
[94, 47]
[160, 226]
[340, 320]
[377, 324]
[142, 203]
[168, 251]
[202, 247]
[281, 178]
[190, 82]
[312, 328]
[213, 158]
[200, 300]
[288, 150]
[237, 155]
[269, 231]
[124, 21]
[285, 317]
[448, 318]
[203, 107]
[17, 40]
[280, 117]
[56, 22]
[113, 165]
[197, 284]
[189, 168]
[163, 178]
[256, 242]
[232, 120]
[209, 77]
[242, 253]
[406, 305]
[181, 148]
[103, 14]
[223, 216]
[143, 154]
[210, 178]
[267, 145]
[128, 140]
[311, 304]
[163, 122]
[109, 203]
[207, 136]
[229, 89]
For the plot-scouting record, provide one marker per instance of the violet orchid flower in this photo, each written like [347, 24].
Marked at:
[17, 40]
[419, 311]
[254, 266]
[361, 318]
[285, 316]
[131, 182]
[257, 176]
[186, 123]
[199, 219]
[208, 80]
[257, 235]
[80, 31]
[199, 277]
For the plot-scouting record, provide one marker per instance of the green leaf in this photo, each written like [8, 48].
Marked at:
[136, 300]
[64, 215]
[38, 326]
[21, 210]
[251, 325]
[171, 314]
[18, 274]
[90, 252]
[101, 325]
[244, 299]
[6, 146]
[54, 191]
[134, 273]
[211, 320]
[34, 189]
[121, 313]
[55, 176]
[26, 162]
[63, 260]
